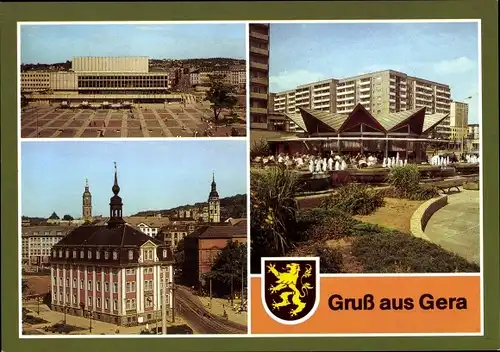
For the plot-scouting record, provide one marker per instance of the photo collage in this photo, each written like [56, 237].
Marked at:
[246, 178]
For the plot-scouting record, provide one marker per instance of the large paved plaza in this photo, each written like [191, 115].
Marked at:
[455, 227]
[173, 120]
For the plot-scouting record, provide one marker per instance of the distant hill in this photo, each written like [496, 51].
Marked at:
[231, 207]
[154, 64]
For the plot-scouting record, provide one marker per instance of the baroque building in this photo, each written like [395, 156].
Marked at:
[113, 272]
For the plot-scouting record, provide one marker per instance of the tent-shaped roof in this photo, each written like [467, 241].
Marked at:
[432, 120]
[359, 115]
[54, 216]
[316, 121]
[393, 120]
[330, 119]
[297, 118]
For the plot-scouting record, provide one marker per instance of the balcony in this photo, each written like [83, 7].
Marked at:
[258, 110]
[365, 96]
[346, 92]
[367, 89]
[257, 35]
[324, 100]
[324, 94]
[259, 51]
[259, 80]
[349, 98]
[259, 66]
[258, 95]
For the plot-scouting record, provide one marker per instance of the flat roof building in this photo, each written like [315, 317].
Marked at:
[259, 74]
[100, 80]
[381, 92]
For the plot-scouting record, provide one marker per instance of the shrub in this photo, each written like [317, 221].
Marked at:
[320, 224]
[424, 192]
[405, 184]
[354, 199]
[404, 179]
[364, 228]
[330, 260]
[273, 211]
[393, 251]
[259, 148]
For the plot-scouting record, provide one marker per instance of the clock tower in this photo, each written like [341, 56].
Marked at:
[87, 203]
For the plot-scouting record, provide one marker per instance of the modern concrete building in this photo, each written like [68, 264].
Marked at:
[380, 93]
[473, 138]
[459, 114]
[100, 81]
[259, 74]
[359, 131]
[37, 242]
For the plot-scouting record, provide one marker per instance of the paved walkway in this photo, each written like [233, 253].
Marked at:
[218, 306]
[98, 327]
[455, 227]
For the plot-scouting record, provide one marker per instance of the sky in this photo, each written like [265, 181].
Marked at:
[441, 52]
[152, 175]
[48, 44]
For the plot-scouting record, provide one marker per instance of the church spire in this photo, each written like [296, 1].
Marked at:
[115, 205]
[116, 188]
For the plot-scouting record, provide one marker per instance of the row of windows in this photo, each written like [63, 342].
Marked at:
[90, 301]
[148, 254]
[122, 84]
[46, 233]
[89, 285]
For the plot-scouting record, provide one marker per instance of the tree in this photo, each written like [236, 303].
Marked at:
[220, 95]
[230, 264]
[179, 258]
[67, 217]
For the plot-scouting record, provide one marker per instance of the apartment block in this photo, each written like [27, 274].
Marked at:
[459, 114]
[259, 74]
[381, 92]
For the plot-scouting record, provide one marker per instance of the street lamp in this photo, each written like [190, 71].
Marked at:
[90, 321]
[65, 308]
[38, 305]
[462, 132]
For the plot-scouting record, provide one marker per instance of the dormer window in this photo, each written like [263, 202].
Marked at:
[115, 255]
[54, 254]
[82, 254]
[130, 255]
[97, 255]
[74, 254]
[164, 253]
[67, 253]
[106, 255]
[60, 254]
[89, 254]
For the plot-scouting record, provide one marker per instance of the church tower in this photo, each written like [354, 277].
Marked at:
[87, 203]
[213, 203]
[115, 205]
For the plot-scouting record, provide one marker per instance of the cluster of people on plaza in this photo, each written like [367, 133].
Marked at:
[320, 162]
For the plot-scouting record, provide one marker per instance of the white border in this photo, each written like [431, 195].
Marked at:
[479, 97]
[317, 287]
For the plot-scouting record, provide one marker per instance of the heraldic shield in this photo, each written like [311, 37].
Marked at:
[290, 288]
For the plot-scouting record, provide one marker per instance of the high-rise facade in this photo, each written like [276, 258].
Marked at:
[259, 74]
[379, 92]
[459, 114]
